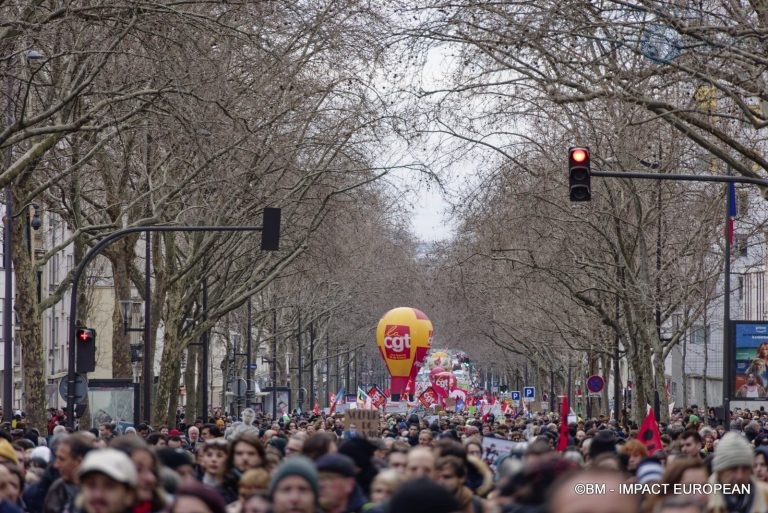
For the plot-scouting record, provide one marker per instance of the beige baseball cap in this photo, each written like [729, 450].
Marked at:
[112, 463]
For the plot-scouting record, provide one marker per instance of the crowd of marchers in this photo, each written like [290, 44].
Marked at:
[450, 463]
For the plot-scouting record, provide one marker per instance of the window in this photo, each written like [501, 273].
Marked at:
[740, 245]
[742, 203]
[699, 334]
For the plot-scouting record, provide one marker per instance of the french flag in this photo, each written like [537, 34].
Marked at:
[731, 211]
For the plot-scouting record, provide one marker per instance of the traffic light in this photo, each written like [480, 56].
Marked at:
[86, 350]
[579, 178]
[270, 230]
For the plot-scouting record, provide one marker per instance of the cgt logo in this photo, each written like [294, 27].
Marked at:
[397, 342]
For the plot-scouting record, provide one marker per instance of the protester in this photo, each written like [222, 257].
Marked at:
[294, 486]
[108, 482]
[339, 491]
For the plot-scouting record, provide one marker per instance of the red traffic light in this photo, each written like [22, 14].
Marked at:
[579, 155]
[85, 334]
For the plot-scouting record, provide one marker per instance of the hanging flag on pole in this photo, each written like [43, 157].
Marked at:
[562, 441]
[316, 411]
[731, 211]
[339, 396]
[649, 433]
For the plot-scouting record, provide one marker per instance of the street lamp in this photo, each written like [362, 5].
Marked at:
[31, 55]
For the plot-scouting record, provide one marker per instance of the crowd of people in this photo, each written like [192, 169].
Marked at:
[438, 464]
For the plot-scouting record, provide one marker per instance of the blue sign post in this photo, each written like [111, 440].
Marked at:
[529, 393]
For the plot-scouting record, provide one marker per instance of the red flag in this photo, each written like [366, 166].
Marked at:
[316, 411]
[649, 433]
[562, 441]
[487, 414]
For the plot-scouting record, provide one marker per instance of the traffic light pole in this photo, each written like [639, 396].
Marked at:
[727, 342]
[269, 242]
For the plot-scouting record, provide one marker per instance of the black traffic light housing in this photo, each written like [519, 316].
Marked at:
[270, 230]
[579, 177]
[86, 350]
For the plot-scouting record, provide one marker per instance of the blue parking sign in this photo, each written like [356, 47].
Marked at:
[529, 392]
[516, 395]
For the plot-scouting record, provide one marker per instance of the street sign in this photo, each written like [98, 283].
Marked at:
[529, 393]
[81, 388]
[516, 395]
[595, 384]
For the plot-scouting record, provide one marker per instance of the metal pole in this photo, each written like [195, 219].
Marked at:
[248, 349]
[616, 370]
[148, 371]
[80, 269]
[727, 349]
[274, 364]
[312, 363]
[8, 263]
[299, 394]
[206, 340]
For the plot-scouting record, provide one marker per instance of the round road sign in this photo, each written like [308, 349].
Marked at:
[595, 384]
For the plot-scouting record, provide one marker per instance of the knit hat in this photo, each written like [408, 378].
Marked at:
[649, 471]
[7, 452]
[423, 495]
[295, 466]
[732, 451]
[336, 463]
[43, 453]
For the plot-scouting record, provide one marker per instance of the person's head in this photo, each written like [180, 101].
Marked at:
[691, 443]
[143, 430]
[196, 498]
[760, 465]
[257, 503]
[252, 481]
[413, 430]
[398, 457]
[295, 445]
[733, 460]
[474, 448]
[246, 452]
[294, 486]
[422, 495]
[108, 481]
[425, 438]
[146, 464]
[214, 457]
[687, 471]
[11, 482]
[178, 460]
[565, 497]
[678, 504]
[384, 485]
[157, 439]
[450, 473]
[762, 351]
[209, 432]
[106, 430]
[318, 444]
[337, 480]
[635, 451]
[70, 451]
[420, 463]
[193, 434]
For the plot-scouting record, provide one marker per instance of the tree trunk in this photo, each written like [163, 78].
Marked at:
[29, 330]
[191, 382]
[120, 255]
